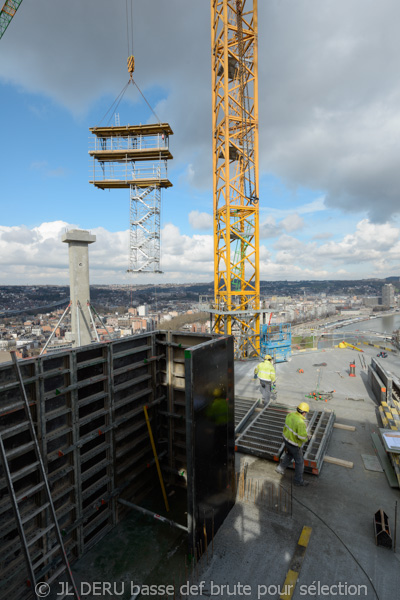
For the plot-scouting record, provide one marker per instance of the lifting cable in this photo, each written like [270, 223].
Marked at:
[131, 67]
[342, 542]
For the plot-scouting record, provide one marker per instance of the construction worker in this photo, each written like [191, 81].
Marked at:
[266, 374]
[295, 435]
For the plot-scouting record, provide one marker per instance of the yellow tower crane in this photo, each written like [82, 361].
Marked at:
[235, 169]
[8, 11]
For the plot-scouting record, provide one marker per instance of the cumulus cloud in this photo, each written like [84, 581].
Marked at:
[200, 220]
[293, 222]
[37, 255]
[269, 228]
[329, 111]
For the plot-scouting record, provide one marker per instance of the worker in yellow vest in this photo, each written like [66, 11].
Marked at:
[266, 374]
[295, 435]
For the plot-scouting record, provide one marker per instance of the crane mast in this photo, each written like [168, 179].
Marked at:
[9, 9]
[235, 171]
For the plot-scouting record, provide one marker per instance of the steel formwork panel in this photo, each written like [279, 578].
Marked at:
[263, 436]
[81, 402]
[244, 409]
[87, 407]
[210, 432]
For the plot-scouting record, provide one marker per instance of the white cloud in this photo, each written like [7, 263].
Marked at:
[329, 115]
[200, 220]
[293, 222]
[269, 228]
[37, 255]
[312, 207]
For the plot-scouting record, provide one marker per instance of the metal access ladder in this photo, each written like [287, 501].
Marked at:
[36, 522]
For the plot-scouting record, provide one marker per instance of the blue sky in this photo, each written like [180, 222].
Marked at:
[329, 137]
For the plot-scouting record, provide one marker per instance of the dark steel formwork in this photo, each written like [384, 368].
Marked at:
[172, 410]
[210, 431]
[263, 436]
[87, 407]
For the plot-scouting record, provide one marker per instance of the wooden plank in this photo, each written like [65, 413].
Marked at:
[338, 461]
[346, 427]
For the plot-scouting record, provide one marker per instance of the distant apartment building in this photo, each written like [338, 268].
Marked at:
[388, 295]
[124, 322]
[142, 310]
[372, 301]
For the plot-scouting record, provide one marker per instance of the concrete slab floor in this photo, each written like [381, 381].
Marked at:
[255, 546]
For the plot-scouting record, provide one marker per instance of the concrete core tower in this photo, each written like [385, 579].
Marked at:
[78, 241]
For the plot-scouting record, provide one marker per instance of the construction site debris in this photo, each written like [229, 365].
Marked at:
[347, 345]
[371, 463]
[346, 427]
[338, 461]
[384, 460]
[382, 531]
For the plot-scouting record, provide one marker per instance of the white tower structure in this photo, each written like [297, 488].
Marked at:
[78, 241]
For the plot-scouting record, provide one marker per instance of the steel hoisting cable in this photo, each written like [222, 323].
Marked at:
[129, 26]
[143, 96]
[342, 542]
[129, 37]
[116, 102]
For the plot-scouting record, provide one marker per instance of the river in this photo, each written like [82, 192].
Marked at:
[386, 324]
[367, 330]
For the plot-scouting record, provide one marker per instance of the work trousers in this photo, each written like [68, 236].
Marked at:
[294, 453]
[265, 391]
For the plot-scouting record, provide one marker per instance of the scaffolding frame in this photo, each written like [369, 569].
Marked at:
[135, 157]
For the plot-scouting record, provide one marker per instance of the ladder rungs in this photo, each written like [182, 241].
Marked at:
[43, 558]
[39, 534]
[32, 514]
[30, 491]
[14, 430]
[61, 569]
[25, 471]
[7, 525]
[10, 454]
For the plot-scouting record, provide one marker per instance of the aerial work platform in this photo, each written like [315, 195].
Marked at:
[132, 143]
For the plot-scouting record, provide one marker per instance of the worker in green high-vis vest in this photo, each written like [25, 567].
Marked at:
[295, 435]
[265, 372]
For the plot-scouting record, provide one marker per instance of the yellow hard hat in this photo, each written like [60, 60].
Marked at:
[267, 357]
[303, 407]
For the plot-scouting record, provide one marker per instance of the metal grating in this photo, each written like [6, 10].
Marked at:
[263, 436]
[244, 409]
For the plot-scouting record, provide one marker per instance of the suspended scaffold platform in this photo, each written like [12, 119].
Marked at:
[135, 157]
